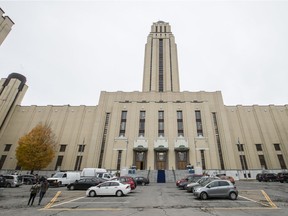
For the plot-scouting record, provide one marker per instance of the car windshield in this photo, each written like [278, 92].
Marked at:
[205, 182]
[58, 175]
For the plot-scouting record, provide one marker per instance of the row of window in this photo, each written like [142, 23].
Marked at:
[161, 123]
[240, 147]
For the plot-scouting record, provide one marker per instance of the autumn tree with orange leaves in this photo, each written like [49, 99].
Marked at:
[36, 149]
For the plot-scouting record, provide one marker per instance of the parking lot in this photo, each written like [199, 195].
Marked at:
[264, 198]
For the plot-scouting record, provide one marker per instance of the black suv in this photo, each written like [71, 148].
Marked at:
[259, 177]
[282, 177]
[269, 177]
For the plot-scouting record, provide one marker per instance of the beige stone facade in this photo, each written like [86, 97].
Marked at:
[158, 128]
[5, 26]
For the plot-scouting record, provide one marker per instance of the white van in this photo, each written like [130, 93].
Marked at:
[92, 172]
[63, 178]
[106, 176]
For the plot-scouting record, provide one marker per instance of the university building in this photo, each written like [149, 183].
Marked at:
[158, 128]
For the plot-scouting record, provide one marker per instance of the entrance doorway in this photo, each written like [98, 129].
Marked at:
[161, 160]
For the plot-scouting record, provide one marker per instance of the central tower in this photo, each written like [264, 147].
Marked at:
[161, 63]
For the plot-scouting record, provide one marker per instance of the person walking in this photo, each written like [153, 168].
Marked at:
[43, 188]
[33, 192]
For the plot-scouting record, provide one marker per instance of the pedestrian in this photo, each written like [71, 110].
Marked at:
[43, 188]
[33, 192]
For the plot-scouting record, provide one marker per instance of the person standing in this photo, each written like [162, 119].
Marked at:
[33, 192]
[43, 188]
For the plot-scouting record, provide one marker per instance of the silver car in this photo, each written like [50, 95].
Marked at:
[217, 188]
[200, 183]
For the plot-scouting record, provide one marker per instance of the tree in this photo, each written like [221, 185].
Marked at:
[37, 148]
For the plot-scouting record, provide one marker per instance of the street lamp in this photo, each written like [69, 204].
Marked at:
[125, 139]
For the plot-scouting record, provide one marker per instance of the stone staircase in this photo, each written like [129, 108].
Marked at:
[170, 175]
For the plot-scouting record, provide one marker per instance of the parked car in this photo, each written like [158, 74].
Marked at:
[217, 188]
[12, 180]
[127, 180]
[259, 177]
[269, 177]
[182, 183]
[63, 178]
[3, 182]
[28, 179]
[282, 177]
[112, 188]
[140, 180]
[229, 178]
[201, 182]
[84, 184]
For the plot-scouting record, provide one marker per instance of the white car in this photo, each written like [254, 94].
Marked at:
[114, 188]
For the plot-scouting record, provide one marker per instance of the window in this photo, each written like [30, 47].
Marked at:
[119, 159]
[277, 147]
[59, 162]
[281, 161]
[262, 161]
[199, 123]
[243, 162]
[78, 162]
[7, 147]
[142, 124]
[259, 147]
[62, 148]
[161, 76]
[203, 159]
[104, 135]
[81, 148]
[2, 160]
[123, 123]
[180, 123]
[160, 123]
[218, 140]
[240, 147]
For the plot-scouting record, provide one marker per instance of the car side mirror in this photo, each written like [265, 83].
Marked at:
[208, 186]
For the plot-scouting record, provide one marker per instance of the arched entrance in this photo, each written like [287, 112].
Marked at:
[182, 157]
[161, 158]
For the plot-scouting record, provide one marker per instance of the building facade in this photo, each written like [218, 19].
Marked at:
[5, 26]
[159, 128]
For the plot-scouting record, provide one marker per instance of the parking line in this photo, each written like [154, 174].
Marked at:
[268, 199]
[254, 201]
[84, 209]
[52, 200]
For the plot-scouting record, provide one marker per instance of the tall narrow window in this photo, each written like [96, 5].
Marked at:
[119, 159]
[59, 161]
[104, 140]
[281, 161]
[123, 123]
[258, 147]
[262, 161]
[62, 148]
[81, 148]
[2, 160]
[218, 140]
[7, 147]
[142, 124]
[180, 123]
[240, 147]
[161, 123]
[78, 162]
[277, 147]
[243, 162]
[161, 76]
[198, 123]
[203, 159]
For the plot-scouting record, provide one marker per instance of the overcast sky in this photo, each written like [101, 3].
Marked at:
[70, 51]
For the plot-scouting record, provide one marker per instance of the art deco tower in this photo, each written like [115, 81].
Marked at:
[161, 64]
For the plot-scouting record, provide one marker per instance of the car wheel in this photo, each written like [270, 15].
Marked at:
[143, 184]
[233, 196]
[119, 193]
[72, 187]
[92, 193]
[204, 196]
[8, 185]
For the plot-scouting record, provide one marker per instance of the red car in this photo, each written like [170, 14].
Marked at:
[127, 180]
[187, 179]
